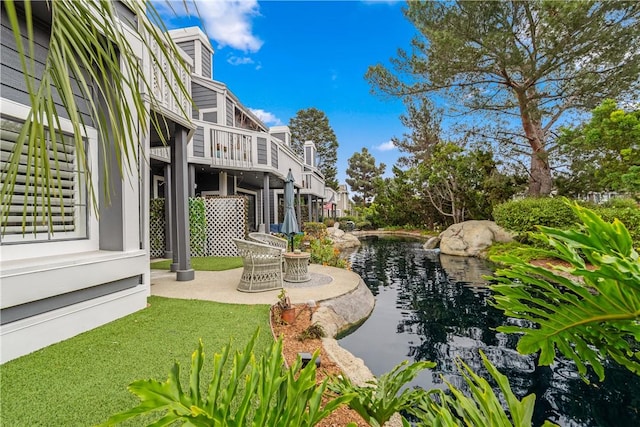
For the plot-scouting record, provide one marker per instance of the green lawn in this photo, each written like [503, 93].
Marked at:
[204, 263]
[83, 380]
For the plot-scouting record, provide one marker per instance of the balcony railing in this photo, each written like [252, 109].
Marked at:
[230, 148]
[165, 87]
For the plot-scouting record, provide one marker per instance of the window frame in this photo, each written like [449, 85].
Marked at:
[84, 221]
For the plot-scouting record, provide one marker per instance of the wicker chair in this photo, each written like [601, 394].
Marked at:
[270, 240]
[262, 266]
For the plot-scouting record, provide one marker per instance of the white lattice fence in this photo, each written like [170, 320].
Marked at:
[156, 228]
[226, 220]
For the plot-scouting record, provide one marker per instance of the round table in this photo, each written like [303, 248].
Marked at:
[296, 266]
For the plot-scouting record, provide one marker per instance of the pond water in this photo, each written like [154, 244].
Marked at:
[435, 307]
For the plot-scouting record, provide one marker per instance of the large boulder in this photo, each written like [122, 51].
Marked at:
[340, 239]
[470, 238]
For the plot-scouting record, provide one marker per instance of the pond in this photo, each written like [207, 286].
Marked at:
[435, 307]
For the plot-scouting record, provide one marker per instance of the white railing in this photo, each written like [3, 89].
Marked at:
[231, 148]
[165, 87]
[313, 183]
[163, 153]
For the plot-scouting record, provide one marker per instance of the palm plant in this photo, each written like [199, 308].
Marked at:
[93, 62]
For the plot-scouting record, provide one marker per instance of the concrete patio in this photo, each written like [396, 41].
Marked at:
[326, 283]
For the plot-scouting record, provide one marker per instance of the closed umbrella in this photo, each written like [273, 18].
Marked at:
[290, 223]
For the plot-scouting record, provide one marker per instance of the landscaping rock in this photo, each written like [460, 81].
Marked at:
[470, 238]
[340, 239]
[468, 270]
[432, 243]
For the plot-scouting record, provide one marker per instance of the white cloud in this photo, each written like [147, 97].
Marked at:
[267, 117]
[228, 22]
[386, 146]
[235, 60]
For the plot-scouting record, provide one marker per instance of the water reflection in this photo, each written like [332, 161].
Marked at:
[435, 307]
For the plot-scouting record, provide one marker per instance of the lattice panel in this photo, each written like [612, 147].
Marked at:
[156, 228]
[197, 227]
[226, 220]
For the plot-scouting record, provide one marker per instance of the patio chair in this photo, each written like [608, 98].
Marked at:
[270, 240]
[262, 266]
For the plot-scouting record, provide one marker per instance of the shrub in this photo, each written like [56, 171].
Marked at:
[323, 252]
[620, 202]
[315, 331]
[629, 215]
[522, 216]
[343, 221]
[315, 229]
[329, 222]
[364, 225]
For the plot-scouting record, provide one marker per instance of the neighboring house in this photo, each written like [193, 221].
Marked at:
[233, 152]
[94, 266]
[344, 205]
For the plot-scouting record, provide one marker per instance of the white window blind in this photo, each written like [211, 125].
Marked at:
[26, 216]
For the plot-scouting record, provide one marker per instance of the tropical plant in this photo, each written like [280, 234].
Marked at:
[91, 64]
[588, 311]
[382, 397]
[481, 407]
[258, 391]
[387, 395]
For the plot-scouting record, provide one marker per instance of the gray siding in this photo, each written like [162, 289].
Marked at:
[202, 98]
[281, 136]
[229, 113]
[189, 49]
[262, 151]
[206, 63]
[198, 142]
[274, 155]
[23, 311]
[126, 15]
[211, 117]
[12, 84]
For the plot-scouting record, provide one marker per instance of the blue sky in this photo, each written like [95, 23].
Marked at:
[279, 57]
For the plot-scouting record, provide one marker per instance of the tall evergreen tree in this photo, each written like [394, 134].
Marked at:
[532, 61]
[362, 173]
[312, 124]
[423, 120]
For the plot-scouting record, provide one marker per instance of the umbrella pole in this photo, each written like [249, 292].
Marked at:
[291, 238]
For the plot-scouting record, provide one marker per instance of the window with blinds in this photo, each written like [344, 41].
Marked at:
[31, 214]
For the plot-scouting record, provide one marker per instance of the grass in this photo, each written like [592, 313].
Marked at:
[204, 263]
[520, 250]
[83, 380]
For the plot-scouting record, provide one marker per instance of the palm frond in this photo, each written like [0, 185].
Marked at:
[93, 65]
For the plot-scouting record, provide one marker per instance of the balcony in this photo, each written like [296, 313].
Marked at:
[170, 101]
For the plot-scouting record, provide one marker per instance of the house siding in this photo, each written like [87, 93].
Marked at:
[262, 151]
[23, 311]
[281, 136]
[189, 48]
[211, 117]
[229, 112]
[274, 155]
[13, 86]
[198, 142]
[202, 98]
[206, 63]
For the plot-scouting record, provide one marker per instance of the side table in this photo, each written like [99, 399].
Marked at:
[296, 266]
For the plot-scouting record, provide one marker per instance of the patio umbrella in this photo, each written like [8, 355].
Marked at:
[290, 223]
